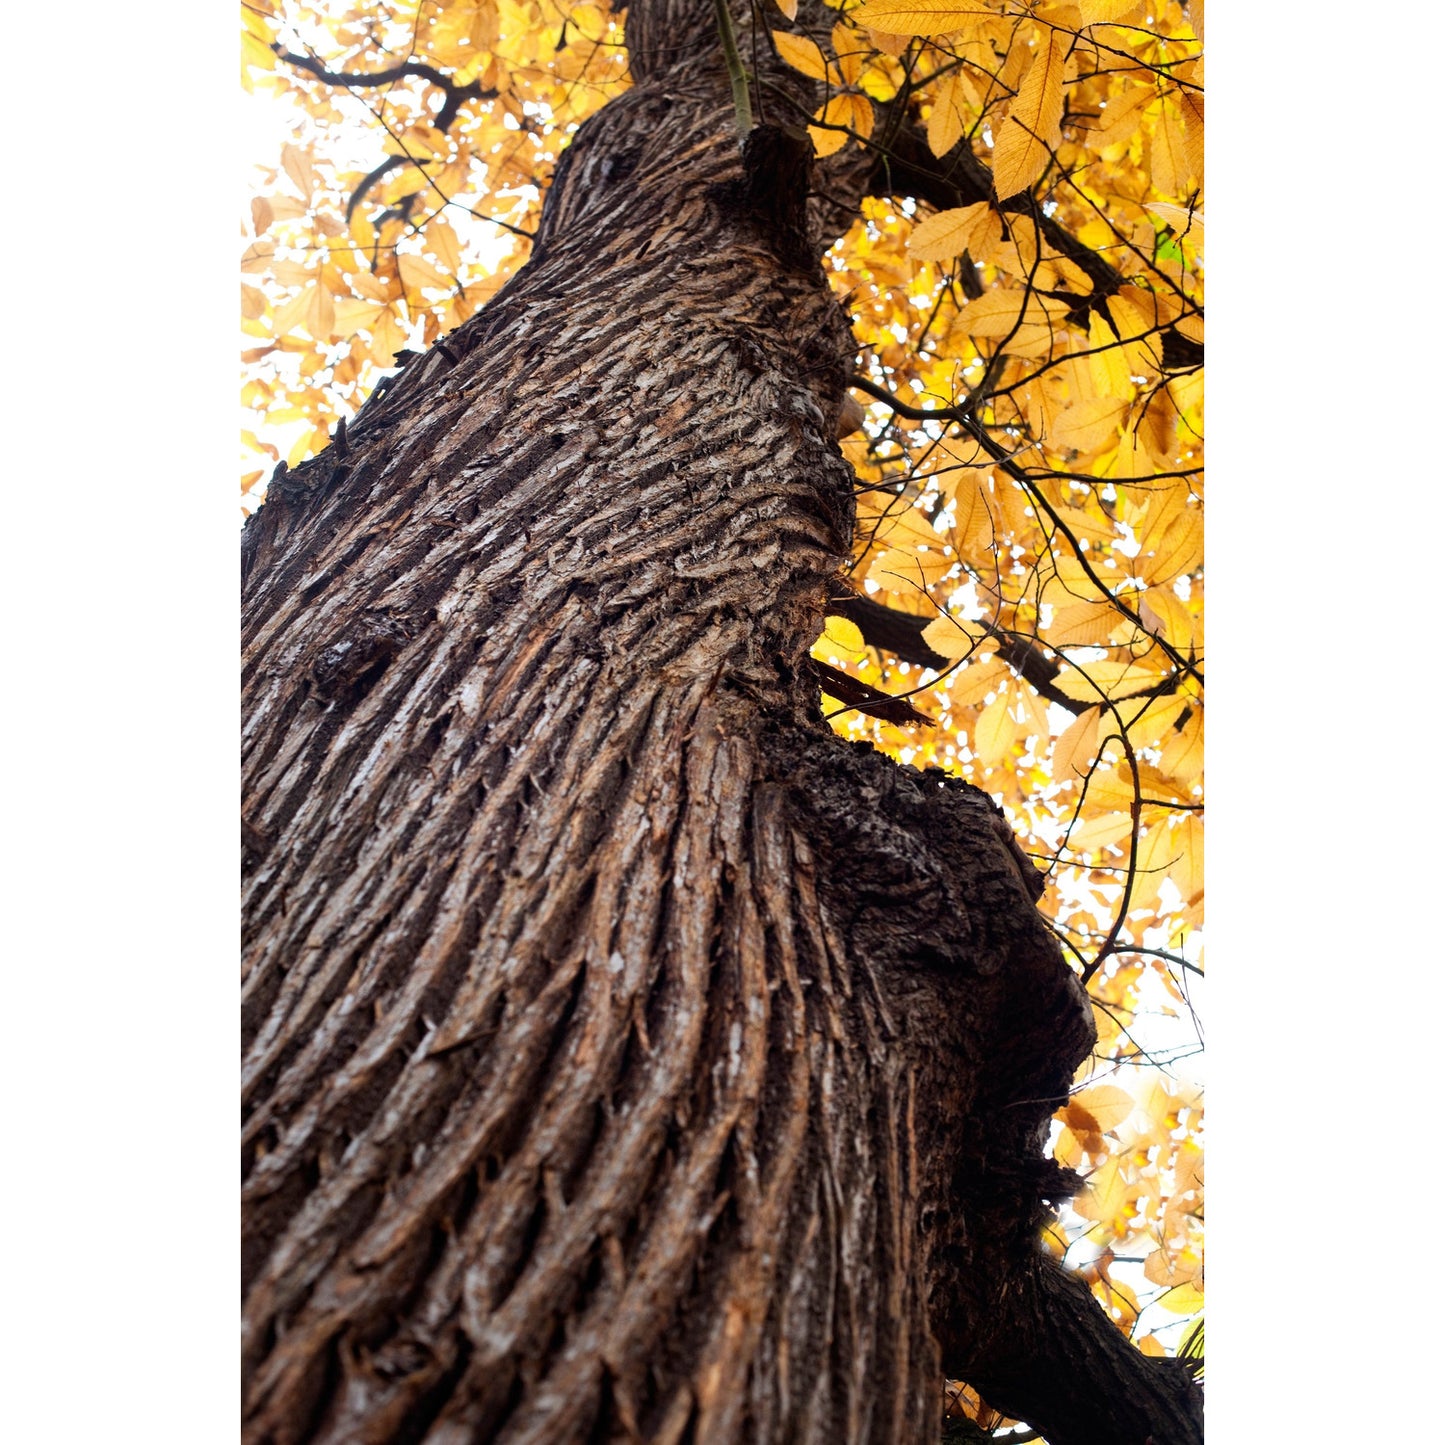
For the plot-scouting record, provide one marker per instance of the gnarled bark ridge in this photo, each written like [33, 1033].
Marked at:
[626, 1057]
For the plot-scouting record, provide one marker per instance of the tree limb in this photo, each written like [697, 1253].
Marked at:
[866, 698]
[901, 633]
[456, 95]
[1049, 1355]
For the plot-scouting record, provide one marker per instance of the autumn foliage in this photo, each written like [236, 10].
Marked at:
[1029, 460]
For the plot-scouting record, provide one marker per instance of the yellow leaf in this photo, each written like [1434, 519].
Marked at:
[1187, 870]
[970, 684]
[291, 314]
[292, 273]
[1082, 624]
[882, 77]
[1166, 616]
[918, 17]
[1076, 747]
[1168, 161]
[249, 440]
[353, 315]
[1106, 1195]
[1158, 852]
[320, 313]
[861, 119]
[253, 302]
[459, 309]
[1120, 119]
[888, 44]
[975, 229]
[417, 271]
[1085, 523]
[1168, 1267]
[1069, 1151]
[1150, 722]
[1191, 326]
[1106, 1104]
[1050, 273]
[838, 111]
[361, 230]
[1105, 12]
[254, 23]
[1182, 221]
[789, 8]
[995, 312]
[257, 257]
[954, 637]
[1100, 832]
[255, 54]
[1137, 312]
[1013, 502]
[368, 285]
[973, 522]
[1191, 105]
[1035, 722]
[850, 52]
[300, 450]
[1088, 427]
[298, 167]
[1026, 319]
[945, 121]
[443, 240]
[1113, 787]
[1180, 551]
[1107, 366]
[801, 53]
[1086, 680]
[995, 731]
[1031, 130]
[1158, 426]
[1184, 1299]
[387, 338]
[842, 636]
[1182, 757]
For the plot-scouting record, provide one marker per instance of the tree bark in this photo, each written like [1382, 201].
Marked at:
[626, 1056]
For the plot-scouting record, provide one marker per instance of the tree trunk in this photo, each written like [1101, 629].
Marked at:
[628, 1057]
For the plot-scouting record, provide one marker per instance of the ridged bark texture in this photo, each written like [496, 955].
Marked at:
[626, 1057]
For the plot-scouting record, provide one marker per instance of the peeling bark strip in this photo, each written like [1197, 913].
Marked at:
[626, 1056]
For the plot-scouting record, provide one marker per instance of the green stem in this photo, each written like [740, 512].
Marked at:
[742, 102]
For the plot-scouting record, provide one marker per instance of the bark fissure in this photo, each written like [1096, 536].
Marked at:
[626, 1056]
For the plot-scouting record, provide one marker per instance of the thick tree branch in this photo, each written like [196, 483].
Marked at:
[901, 633]
[455, 95]
[864, 697]
[372, 177]
[1055, 1360]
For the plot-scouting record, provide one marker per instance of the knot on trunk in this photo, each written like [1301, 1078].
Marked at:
[350, 667]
